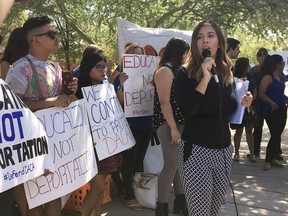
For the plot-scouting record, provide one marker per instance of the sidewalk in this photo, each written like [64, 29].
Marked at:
[257, 192]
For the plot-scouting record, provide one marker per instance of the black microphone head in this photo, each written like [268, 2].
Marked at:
[206, 53]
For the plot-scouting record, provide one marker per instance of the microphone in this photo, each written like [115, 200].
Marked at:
[207, 53]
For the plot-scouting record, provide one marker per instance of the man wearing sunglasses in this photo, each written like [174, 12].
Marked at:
[38, 82]
[256, 78]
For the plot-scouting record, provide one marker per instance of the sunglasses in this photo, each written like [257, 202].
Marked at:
[51, 34]
[101, 67]
[261, 54]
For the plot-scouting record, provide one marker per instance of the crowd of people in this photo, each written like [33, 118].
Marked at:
[191, 113]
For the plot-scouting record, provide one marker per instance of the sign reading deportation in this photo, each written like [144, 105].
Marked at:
[23, 141]
[138, 91]
[110, 129]
[72, 152]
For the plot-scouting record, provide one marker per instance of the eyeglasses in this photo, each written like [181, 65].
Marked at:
[51, 34]
[101, 67]
[261, 54]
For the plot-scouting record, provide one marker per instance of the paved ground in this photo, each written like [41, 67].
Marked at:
[257, 192]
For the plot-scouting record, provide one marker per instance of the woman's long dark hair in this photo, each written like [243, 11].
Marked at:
[269, 65]
[17, 46]
[86, 65]
[241, 67]
[173, 53]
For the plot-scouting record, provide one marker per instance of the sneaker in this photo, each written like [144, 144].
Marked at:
[236, 158]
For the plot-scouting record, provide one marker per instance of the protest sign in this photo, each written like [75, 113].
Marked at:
[240, 90]
[72, 154]
[110, 129]
[138, 90]
[23, 141]
[156, 38]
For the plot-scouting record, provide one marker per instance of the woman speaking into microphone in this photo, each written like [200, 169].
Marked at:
[205, 150]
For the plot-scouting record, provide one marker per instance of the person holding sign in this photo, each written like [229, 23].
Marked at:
[38, 82]
[271, 92]
[141, 128]
[129, 48]
[93, 69]
[168, 122]
[205, 150]
[241, 71]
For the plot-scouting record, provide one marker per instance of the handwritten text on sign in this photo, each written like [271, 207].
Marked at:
[23, 142]
[110, 129]
[138, 91]
[71, 150]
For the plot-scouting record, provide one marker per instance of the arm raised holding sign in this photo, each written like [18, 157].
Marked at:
[141, 128]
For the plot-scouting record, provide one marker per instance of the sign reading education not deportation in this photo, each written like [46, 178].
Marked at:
[110, 129]
[72, 152]
[23, 141]
[138, 90]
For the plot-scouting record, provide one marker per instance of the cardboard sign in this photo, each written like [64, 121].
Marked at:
[155, 38]
[23, 143]
[110, 129]
[72, 152]
[138, 90]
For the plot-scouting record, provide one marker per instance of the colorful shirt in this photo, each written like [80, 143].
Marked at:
[21, 78]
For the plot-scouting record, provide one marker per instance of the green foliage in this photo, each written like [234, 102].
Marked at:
[81, 22]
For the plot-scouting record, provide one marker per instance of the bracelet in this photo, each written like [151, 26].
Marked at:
[120, 88]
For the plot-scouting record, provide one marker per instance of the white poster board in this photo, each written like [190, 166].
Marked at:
[110, 129]
[23, 142]
[72, 154]
[240, 90]
[155, 37]
[138, 90]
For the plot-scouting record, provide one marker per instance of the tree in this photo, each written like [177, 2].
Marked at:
[80, 22]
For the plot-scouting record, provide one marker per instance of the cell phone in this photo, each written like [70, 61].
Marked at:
[67, 77]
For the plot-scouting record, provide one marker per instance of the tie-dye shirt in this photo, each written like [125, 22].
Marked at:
[21, 80]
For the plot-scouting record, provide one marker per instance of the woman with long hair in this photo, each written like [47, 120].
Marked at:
[242, 73]
[93, 69]
[271, 92]
[205, 150]
[168, 123]
[16, 48]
